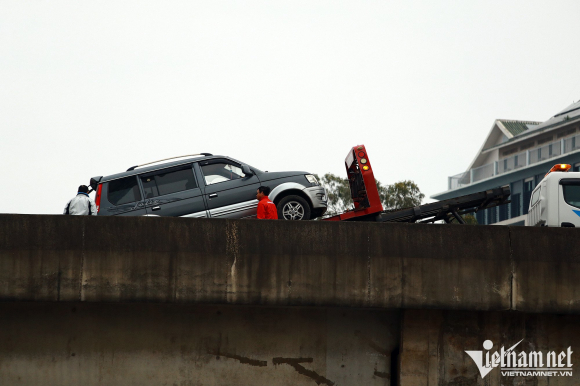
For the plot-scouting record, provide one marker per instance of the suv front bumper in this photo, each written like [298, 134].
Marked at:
[317, 196]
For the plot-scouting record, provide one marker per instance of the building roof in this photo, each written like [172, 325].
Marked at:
[571, 112]
[568, 115]
[517, 127]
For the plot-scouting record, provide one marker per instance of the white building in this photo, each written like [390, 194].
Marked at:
[518, 154]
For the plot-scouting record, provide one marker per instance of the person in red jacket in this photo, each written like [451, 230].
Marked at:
[266, 208]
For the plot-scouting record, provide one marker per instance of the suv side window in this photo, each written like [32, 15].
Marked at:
[221, 172]
[123, 191]
[168, 181]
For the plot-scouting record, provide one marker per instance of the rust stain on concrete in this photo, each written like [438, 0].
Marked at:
[244, 360]
[232, 249]
[296, 364]
[382, 374]
[372, 344]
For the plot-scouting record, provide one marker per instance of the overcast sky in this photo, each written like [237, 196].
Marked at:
[91, 88]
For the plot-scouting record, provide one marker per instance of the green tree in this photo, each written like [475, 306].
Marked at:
[338, 193]
[402, 194]
[399, 195]
[468, 218]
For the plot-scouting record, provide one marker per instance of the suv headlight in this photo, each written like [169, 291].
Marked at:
[312, 179]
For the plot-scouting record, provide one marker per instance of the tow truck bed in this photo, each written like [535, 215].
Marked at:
[443, 210]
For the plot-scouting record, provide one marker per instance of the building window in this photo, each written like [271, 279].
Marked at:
[503, 212]
[528, 187]
[492, 215]
[480, 217]
[515, 205]
[576, 168]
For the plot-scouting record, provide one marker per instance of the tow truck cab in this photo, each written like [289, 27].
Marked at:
[556, 200]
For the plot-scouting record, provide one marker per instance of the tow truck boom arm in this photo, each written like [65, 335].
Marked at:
[368, 207]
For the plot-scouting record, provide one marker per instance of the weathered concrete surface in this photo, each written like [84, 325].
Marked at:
[73, 258]
[78, 285]
[434, 343]
[547, 269]
[70, 258]
[111, 344]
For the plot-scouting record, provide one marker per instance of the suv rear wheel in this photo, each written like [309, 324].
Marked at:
[293, 208]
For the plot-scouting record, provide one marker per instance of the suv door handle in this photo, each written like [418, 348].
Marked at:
[156, 208]
[213, 195]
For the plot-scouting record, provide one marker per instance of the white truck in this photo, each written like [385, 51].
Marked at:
[556, 200]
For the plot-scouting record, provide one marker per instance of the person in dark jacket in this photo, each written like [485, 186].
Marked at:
[81, 204]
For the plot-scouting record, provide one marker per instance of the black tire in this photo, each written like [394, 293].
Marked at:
[297, 208]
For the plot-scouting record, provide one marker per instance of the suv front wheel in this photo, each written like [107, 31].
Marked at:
[293, 208]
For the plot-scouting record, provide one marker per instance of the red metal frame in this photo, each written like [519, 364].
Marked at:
[98, 197]
[363, 187]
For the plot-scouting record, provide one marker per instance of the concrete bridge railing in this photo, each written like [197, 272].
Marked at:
[250, 262]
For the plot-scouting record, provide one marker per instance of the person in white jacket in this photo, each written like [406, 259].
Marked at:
[81, 204]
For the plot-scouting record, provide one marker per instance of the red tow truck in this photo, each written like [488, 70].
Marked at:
[368, 207]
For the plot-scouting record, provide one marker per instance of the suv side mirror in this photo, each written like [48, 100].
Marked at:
[247, 171]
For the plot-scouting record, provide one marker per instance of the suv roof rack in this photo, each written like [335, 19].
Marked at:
[165, 159]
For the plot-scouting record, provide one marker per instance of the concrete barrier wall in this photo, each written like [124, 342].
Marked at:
[434, 344]
[85, 343]
[46, 344]
[276, 303]
[250, 262]
[547, 269]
